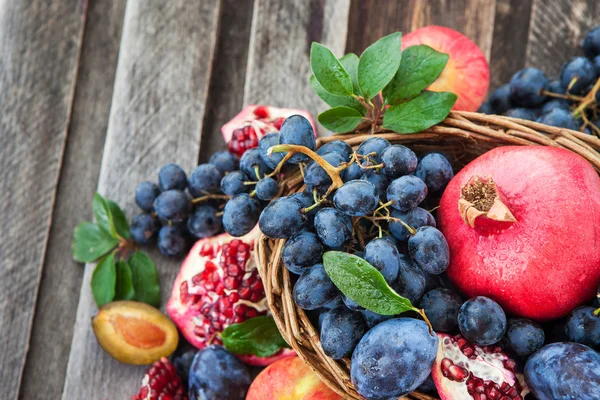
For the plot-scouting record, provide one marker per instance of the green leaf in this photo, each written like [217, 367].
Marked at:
[363, 284]
[328, 71]
[145, 278]
[420, 113]
[124, 287]
[91, 242]
[119, 219]
[103, 215]
[340, 119]
[378, 64]
[333, 100]
[420, 67]
[258, 336]
[350, 64]
[103, 280]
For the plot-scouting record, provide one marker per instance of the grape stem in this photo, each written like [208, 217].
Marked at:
[333, 172]
[210, 197]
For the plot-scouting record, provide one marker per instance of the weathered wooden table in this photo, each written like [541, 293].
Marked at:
[97, 95]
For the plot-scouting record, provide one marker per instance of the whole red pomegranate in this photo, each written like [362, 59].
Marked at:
[219, 285]
[522, 226]
[246, 129]
[464, 371]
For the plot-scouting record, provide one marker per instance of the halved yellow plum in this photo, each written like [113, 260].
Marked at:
[134, 333]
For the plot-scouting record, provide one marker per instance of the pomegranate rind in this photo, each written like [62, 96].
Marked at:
[247, 116]
[467, 73]
[119, 345]
[546, 263]
[488, 366]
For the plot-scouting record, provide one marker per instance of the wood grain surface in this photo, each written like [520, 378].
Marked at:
[98, 95]
[39, 49]
[156, 117]
[278, 61]
[61, 280]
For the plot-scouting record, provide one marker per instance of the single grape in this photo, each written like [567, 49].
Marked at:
[204, 222]
[252, 164]
[333, 227]
[268, 141]
[500, 100]
[224, 161]
[314, 289]
[233, 183]
[406, 192]
[380, 181]
[429, 249]
[297, 130]
[205, 179]
[173, 205]
[337, 146]
[559, 117]
[398, 161]
[526, 87]
[373, 145]
[240, 214]
[354, 171]
[582, 326]
[522, 113]
[415, 218]
[341, 330]
[302, 251]
[172, 177]
[144, 228]
[591, 43]
[282, 218]
[384, 256]
[307, 200]
[172, 241]
[356, 198]
[482, 321]
[554, 86]
[316, 177]
[267, 189]
[582, 72]
[436, 171]
[524, 337]
[555, 103]
[411, 281]
[441, 307]
[145, 195]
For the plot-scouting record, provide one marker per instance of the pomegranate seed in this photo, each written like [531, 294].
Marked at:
[458, 373]
[243, 139]
[278, 122]
[261, 112]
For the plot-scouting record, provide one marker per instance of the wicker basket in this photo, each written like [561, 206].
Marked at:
[462, 136]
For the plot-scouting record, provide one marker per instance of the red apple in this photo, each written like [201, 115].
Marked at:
[467, 73]
[289, 379]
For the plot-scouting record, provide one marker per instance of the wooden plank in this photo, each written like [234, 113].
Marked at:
[371, 19]
[39, 49]
[509, 48]
[278, 62]
[59, 289]
[226, 92]
[556, 30]
[156, 117]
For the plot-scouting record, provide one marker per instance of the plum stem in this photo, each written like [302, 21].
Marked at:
[422, 313]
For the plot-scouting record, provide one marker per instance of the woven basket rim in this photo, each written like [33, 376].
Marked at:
[481, 132]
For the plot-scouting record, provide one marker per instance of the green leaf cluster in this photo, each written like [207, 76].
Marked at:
[259, 336]
[107, 242]
[384, 81]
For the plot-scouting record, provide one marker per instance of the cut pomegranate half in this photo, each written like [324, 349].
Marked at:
[246, 129]
[218, 285]
[464, 371]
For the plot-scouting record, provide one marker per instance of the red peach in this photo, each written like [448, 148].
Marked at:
[289, 379]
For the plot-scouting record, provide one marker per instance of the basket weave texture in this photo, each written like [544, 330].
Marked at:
[462, 136]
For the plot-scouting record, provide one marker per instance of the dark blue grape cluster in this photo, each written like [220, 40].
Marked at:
[569, 100]
[224, 194]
